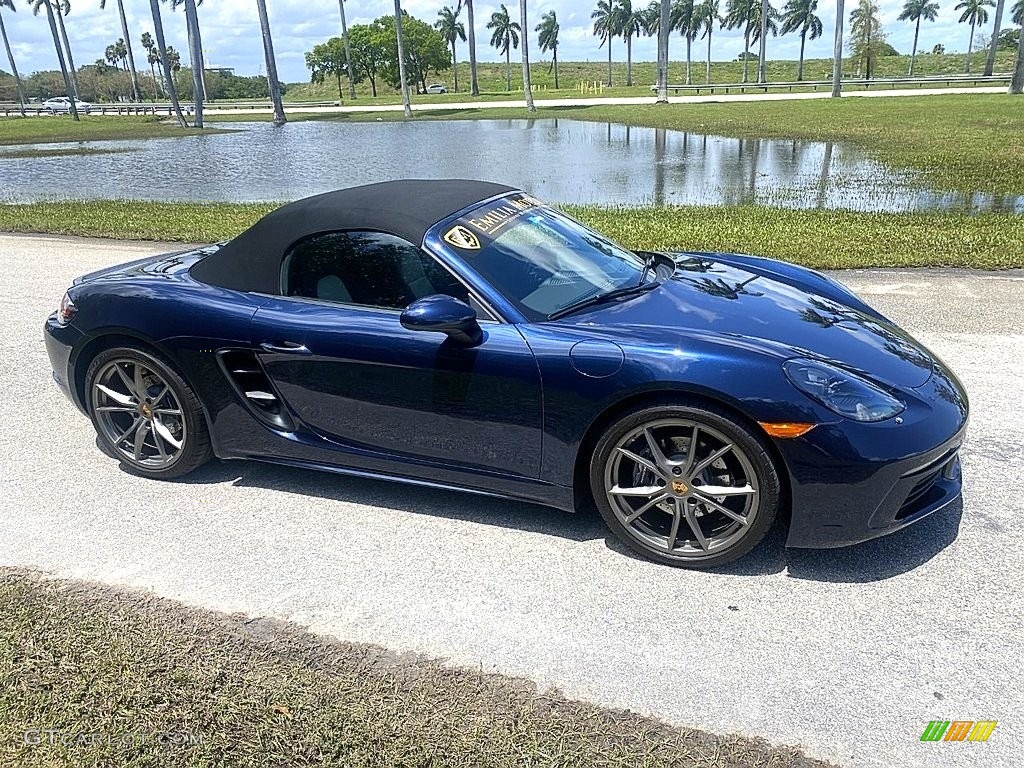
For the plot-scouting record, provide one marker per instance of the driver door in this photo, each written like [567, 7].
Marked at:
[337, 353]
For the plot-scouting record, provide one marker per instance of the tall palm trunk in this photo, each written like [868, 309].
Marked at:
[455, 67]
[1017, 81]
[609, 59]
[746, 50]
[136, 90]
[689, 79]
[990, 60]
[508, 68]
[474, 87]
[913, 51]
[707, 71]
[970, 45]
[60, 54]
[407, 107]
[195, 53]
[67, 48]
[14, 68]
[800, 64]
[525, 48]
[554, 64]
[837, 60]
[348, 52]
[664, 21]
[763, 47]
[629, 60]
[273, 84]
[165, 64]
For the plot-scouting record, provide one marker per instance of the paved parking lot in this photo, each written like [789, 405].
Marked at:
[849, 653]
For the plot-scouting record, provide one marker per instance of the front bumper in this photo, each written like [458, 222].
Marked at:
[854, 482]
[60, 343]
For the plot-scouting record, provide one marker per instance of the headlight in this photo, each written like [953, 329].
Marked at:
[841, 391]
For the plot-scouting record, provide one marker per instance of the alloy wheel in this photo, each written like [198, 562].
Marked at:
[682, 488]
[139, 414]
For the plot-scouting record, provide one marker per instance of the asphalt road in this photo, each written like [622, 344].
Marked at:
[849, 653]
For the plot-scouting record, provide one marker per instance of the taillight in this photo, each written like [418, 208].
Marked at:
[67, 310]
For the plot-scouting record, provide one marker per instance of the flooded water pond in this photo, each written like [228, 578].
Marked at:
[563, 161]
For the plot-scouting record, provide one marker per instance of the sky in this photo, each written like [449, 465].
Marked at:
[231, 34]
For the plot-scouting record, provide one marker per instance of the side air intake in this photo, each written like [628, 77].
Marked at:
[253, 386]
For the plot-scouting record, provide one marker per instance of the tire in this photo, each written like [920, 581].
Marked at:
[653, 512]
[174, 437]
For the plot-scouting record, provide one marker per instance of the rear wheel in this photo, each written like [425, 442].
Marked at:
[145, 414]
[685, 484]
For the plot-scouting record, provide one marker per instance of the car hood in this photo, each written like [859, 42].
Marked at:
[705, 297]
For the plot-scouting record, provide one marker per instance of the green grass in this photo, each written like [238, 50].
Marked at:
[79, 659]
[828, 239]
[61, 128]
[58, 152]
[966, 143]
[491, 75]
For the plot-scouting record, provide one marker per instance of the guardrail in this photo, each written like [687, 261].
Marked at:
[1001, 79]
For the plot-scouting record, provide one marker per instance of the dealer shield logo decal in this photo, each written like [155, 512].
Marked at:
[461, 237]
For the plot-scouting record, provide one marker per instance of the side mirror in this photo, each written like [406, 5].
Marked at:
[444, 314]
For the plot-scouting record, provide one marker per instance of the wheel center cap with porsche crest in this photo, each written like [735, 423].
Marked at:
[146, 411]
[678, 486]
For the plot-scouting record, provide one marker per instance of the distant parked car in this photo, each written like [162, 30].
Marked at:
[436, 88]
[62, 106]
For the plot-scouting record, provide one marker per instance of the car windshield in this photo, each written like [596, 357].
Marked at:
[539, 259]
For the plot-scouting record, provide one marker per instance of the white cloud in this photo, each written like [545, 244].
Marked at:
[231, 34]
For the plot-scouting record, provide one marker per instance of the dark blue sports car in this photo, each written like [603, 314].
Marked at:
[462, 334]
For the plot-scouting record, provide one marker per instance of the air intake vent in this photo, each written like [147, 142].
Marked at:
[252, 384]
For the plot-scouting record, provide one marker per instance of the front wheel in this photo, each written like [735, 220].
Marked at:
[145, 414]
[685, 484]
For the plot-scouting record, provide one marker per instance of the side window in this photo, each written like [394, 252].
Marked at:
[369, 269]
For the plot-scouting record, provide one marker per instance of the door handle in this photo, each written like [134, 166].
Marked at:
[285, 347]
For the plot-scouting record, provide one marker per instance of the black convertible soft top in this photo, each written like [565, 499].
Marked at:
[406, 209]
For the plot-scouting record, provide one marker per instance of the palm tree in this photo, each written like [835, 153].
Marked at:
[195, 55]
[865, 32]
[683, 21]
[47, 4]
[990, 60]
[740, 13]
[273, 84]
[973, 11]
[165, 61]
[348, 52]
[915, 10]
[525, 48]
[10, 55]
[474, 88]
[629, 23]
[664, 22]
[653, 25]
[765, 18]
[1017, 81]
[152, 58]
[547, 39]
[799, 15]
[837, 54]
[60, 9]
[505, 37]
[451, 29]
[406, 106]
[706, 17]
[606, 28]
[136, 91]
